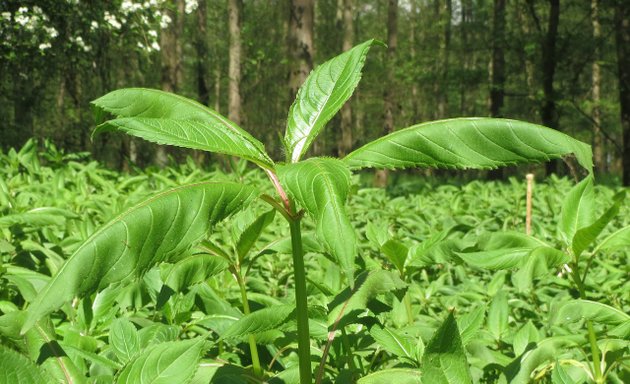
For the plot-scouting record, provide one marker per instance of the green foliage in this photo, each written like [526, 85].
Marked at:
[153, 295]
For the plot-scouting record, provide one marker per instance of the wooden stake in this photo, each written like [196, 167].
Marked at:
[528, 207]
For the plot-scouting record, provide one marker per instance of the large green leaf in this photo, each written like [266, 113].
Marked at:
[16, 368]
[578, 210]
[194, 268]
[444, 359]
[165, 363]
[321, 186]
[393, 375]
[480, 143]
[166, 118]
[619, 239]
[321, 96]
[129, 245]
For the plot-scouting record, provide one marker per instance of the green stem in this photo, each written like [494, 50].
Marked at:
[592, 338]
[304, 342]
[253, 349]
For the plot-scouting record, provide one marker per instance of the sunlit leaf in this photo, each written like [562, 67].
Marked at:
[480, 143]
[129, 245]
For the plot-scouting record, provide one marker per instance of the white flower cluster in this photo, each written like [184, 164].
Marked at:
[190, 6]
[78, 41]
[112, 20]
[28, 20]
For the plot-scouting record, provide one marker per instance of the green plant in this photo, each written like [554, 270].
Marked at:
[166, 226]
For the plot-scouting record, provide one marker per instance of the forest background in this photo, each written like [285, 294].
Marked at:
[561, 63]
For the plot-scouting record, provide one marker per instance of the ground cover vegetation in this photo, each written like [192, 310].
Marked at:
[310, 279]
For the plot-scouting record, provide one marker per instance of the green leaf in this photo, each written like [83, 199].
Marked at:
[519, 371]
[444, 358]
[585, 236]
[501, 250]
[366, 287]
[617, 240]
[396, 252]
[124, 339]
[498, 315]
[321, 186]
[524, 336]
[147, 234]
[252, 233]
[16, 368]
[193, 269]
[559, 375]
[576, 310]
[166, 118]
[470, 323]
[265, 319]
[578, 210]
[38, 217]
[537, 264]
[480, 143]
[166, 363]
[393, 342]
[321, 96]
[393, 375]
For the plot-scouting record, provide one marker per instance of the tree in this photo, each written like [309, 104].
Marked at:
[389, 95]
[235, 10]
[598, 150]
[622, 34]
[300, 43]
[347, 26]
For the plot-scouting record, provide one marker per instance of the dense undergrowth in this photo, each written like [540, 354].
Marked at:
[418, 250]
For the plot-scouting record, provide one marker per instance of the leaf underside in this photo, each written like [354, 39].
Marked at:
[147, 234]
[166, 118]
[321, 96]
[479, 143]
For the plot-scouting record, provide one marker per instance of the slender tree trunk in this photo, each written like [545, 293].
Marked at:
[598, 150]
[497, 70]
[497, 67]
[622, 34]
[389, 95]
[445, 50]
[201, 44]
[171, 55]
[415, 114]
[345, 144]
[235, 10]
[548, 111]
[300, 43]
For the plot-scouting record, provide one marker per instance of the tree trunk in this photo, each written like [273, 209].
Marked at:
[300, 43]
[345, 144]
[549, 115]
[235, 10]
[203, 89]
[445, 47]
[622, 34]
[598, 150]
[415, 111]
[497, 70]
[171, 55]
[389, 95]
[497, 67]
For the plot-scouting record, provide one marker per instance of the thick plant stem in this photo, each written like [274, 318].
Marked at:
[252, 339]
[304, 342]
